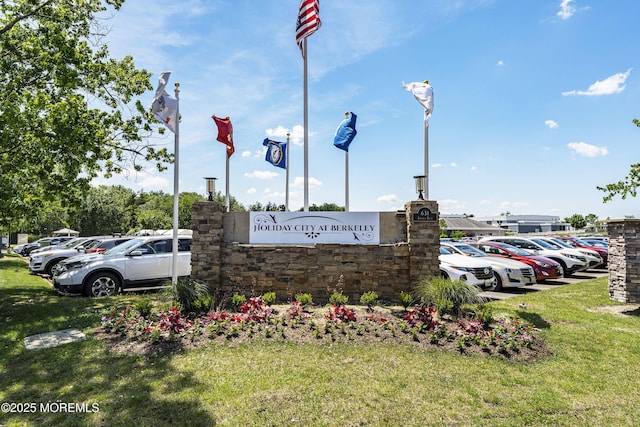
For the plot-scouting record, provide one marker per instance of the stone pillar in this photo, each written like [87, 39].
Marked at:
[423, 237]
[624, 260]
[206, 246]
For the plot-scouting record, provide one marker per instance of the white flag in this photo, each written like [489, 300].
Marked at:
[423, 92]
[165, 107]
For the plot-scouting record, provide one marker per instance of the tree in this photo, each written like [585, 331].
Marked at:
[106, 210]
[628, 186]
[68, 111]
[577, 221]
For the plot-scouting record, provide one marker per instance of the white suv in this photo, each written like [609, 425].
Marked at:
[459, 267]
[141, 262]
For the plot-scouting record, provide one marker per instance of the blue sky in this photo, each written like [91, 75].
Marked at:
[533, 99]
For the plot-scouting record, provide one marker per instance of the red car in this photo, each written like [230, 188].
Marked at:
[579, 243]
[544, 267]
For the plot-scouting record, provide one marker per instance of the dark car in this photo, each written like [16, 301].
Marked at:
[545, 268]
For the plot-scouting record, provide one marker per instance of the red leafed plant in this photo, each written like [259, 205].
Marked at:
[173, 322]
[422, 314]
[340, 314]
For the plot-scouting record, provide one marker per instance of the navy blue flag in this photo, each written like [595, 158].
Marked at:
[276, 153]
[346, 132]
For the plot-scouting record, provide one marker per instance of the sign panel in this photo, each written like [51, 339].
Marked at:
[361, 228]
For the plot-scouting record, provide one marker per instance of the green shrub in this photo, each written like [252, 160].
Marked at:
[186, 291]
[338, 298]
[448, 296]
[204, 304]
[406, 299]
[237, 300]
[269, 298]
[484, 314]
[304, 299]
[144, 307]
[370, 299]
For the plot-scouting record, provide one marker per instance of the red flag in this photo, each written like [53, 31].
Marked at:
[225, 133]
[308, 20]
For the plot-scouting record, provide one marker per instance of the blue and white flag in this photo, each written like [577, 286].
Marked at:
[346, 132]
[276, 153]
[165, 107]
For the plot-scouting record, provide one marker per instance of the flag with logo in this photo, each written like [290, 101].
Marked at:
[165, 107]
[276, 153]
[346, 132]
[423, 92]
[308, 21]
[225, 133]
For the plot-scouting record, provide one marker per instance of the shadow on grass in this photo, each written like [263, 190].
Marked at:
[128, 389]
[534, 319]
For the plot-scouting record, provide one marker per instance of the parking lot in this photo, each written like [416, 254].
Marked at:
[548, 284]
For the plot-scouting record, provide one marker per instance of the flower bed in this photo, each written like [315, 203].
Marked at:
[509, 338]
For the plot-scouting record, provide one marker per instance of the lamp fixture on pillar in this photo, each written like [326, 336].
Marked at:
[211, 187]
[420, 185]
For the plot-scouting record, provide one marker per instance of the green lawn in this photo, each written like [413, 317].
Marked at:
[592, 378]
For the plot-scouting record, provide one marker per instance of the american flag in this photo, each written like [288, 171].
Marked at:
[308, 20]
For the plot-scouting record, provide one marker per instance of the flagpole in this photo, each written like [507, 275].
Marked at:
[346, 181]
[227, 183]
[306, 131]
[286, 197]
[174, 249]
[426, 158]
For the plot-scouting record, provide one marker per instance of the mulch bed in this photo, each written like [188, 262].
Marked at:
[305, 332]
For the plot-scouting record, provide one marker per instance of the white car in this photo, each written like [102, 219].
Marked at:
[459, 267]
[44, 260]
[140, 262]
[593, 258]
[509, 273]
[570, 261]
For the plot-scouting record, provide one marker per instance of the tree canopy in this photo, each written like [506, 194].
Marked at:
[68, 111]
[626, 187]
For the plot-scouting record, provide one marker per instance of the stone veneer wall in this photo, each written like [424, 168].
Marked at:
[624, 260]
[320, 269]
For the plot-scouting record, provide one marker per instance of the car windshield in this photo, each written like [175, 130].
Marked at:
[514, 249]
[560, 243]
[471, 251]
[565, 243]
[124, 247]
[444, 251]
[545, 244]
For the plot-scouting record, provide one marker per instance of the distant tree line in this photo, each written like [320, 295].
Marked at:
[106, 210]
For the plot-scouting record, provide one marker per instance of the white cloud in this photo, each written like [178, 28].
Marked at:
[388, 198]
[500, 63]
[551, 124]
[474, 168]
[566, 9]
[451, 206]
[608, 86]
[261, 174]
[454, 164]
[436, 165]
[246, 153]
[252, 190]
[298, 182]
[587, 150]
[296, 134]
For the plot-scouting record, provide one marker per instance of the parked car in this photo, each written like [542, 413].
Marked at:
[139, 262]
[598, 243]
[66, 245]
[29, 247]
[545, 268]
[593, 258]
[45, 261]
[459, 267]
[570, 261]
[579, 243]
[508, 273]
[98, 248]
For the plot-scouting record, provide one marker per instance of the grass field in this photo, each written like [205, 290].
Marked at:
[592, 378]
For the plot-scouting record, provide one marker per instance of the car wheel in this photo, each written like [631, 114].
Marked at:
[49, 268]
[102, 285]
[444, 274]
[565, 270]
[498, 284]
